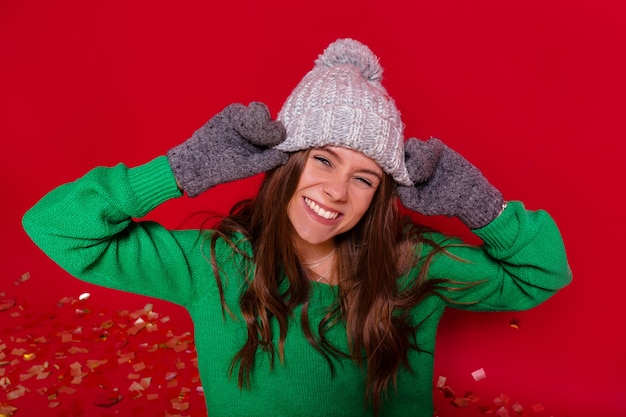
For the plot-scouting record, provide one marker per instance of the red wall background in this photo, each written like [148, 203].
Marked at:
[530, 91]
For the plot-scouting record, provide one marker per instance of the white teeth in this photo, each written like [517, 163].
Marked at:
[329, 215]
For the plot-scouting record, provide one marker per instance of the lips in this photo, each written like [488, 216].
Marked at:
[326, 214]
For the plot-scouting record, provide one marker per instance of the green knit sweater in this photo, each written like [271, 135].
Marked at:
[88, 228]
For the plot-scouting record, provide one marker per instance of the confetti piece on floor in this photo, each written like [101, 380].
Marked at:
[502, 412]
[479, 374]
[70, 355]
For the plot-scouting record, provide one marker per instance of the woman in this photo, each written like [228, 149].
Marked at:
[315, 297]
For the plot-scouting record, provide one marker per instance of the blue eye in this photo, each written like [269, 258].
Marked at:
[322, 160]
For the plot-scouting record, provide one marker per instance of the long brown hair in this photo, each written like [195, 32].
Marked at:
[370, 259]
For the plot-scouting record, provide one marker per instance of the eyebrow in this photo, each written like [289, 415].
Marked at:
[364, 170]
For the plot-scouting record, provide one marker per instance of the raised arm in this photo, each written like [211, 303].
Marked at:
[89, 226]
[522, 261]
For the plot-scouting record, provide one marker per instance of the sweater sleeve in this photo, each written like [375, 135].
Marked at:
[521, 263]
[88, 228]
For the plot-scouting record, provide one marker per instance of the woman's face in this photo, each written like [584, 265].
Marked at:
[335, 189]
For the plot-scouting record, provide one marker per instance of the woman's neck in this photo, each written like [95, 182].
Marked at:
[318, 260]
[311, 254]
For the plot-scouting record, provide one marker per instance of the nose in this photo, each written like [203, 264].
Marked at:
[336, 189]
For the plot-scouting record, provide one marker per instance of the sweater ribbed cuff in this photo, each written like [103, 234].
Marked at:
[500, 235]
[153, 183]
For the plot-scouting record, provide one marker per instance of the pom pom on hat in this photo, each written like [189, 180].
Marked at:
[351, 52]
[341, 102]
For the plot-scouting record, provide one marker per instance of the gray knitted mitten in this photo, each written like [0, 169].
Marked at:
[236, 143]
[447, 184]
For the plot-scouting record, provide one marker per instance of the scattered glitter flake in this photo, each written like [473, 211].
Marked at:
[48, 356]
[135, 386]
[460, 402]
[67, 390]
[17, 392]
[441, 381]
[138, 326]
[6, 304]
[18, 352]
[139, 366]
[93, 363]
[7, 410]
[517, 407]
[538, 407]
[447, 391]
[502, 400]
[75, 350]
[126, 358]
[145, 382]
[479, 374]
[471, 397]
[179, 405]
[107, 324]
[76, 369]
[24, 377]
[23, 278]
[80, 312]
[514, 323]
[502, 412]
[67, 337]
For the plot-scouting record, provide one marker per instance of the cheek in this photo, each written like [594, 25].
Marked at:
[362, 204]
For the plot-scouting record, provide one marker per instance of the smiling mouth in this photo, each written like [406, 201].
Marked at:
[328, 215]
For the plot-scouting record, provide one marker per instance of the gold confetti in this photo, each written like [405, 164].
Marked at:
[139, 366]
[48, 358]
[6, 304]
[7, 410]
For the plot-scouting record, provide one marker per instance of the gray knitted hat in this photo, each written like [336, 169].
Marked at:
[341, 102]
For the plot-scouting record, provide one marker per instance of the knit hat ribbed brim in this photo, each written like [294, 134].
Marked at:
[341, 102]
